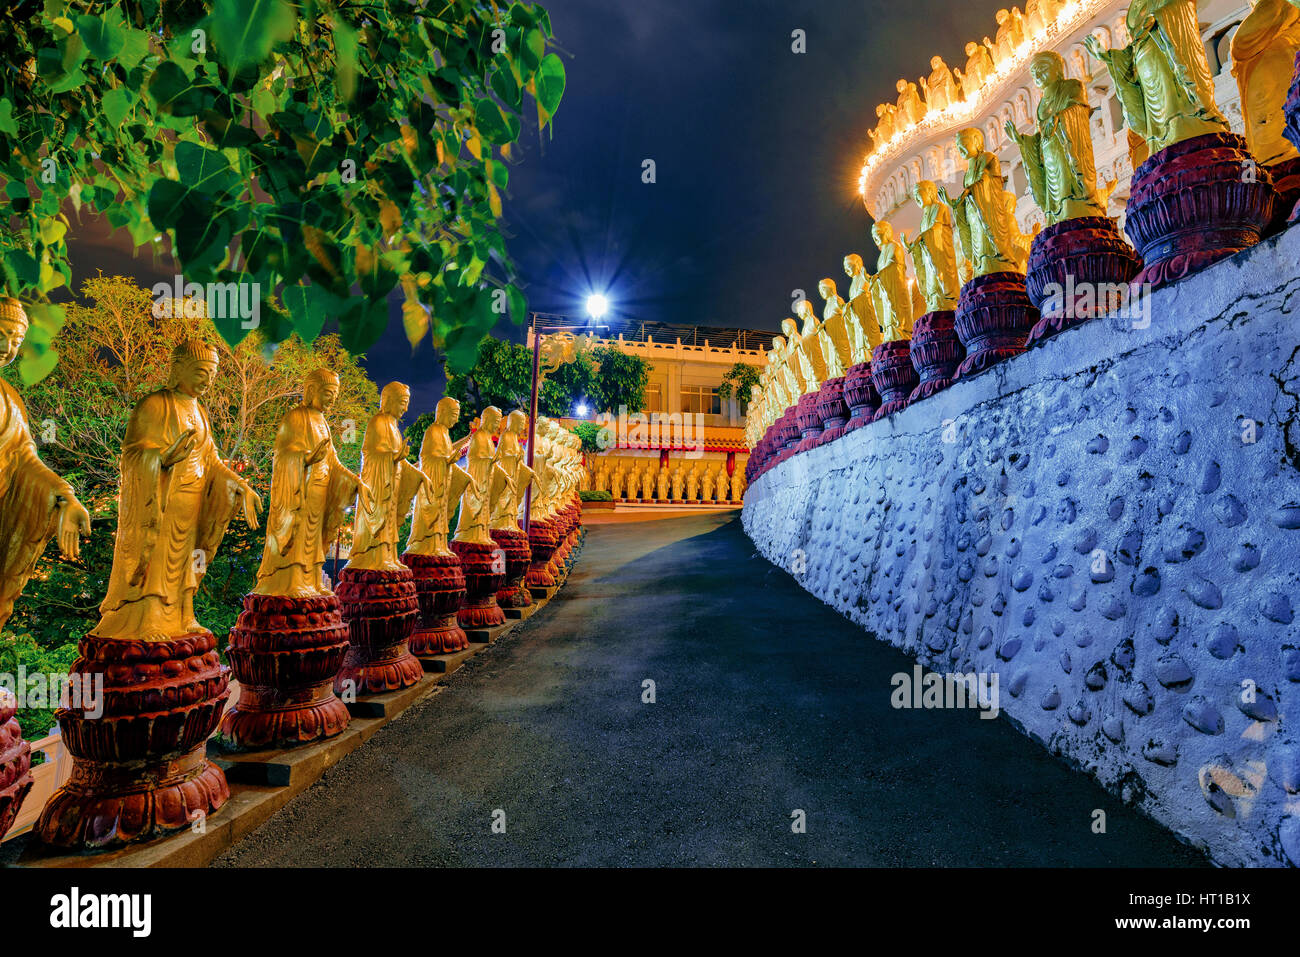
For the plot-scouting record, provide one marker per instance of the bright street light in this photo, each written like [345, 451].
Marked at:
[597, 305]
[582, 410]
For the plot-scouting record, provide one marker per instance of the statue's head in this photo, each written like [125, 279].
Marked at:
[194, 367]
[900, 86]
[13, 329]
[395, 399]
[882, 234]
[789, 326]
[804, 310]
[447, 412]
[826, 289]
[517, 421]
[1047, 68]
[490, 421]
[1001, 17]
[970, 142]
[880, 110]
[321, 390]
[778, 342]
[936, 63]
[971, 47]
[852, 264]
[925, 193]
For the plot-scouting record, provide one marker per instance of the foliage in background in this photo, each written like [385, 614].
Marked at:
[331, 152]
[590, 434]
[737, 380]
[594, 495]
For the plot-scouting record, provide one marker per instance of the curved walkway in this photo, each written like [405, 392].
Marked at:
[766, 702]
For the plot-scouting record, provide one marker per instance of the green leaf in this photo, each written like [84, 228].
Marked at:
[7, 124]
[550, 83]
[104, 35]
[117, 103]
[34, 368]
[494, 126]
[518, 305]
[308, 306]
[244, 31]
[203, 169]
[345, 53]
[176, 93]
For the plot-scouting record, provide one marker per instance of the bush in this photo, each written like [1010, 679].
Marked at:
[594, 495]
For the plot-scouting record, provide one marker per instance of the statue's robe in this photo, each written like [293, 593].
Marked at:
[990, 238]
[392, 482]
[476, 501]
[834, 335]
[308, 505]
[170, 521]
[505, 508]
[1059, 157]
[29, 497]
[864, 330]
[431, 516]
[1263, 54]
[616, 484]
[890, 293]
[934, 257]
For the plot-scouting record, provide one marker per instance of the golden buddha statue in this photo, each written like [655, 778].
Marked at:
[678, 480]
[834, 331]
[175, 502]
[910, 109]
[311, 491]
[1058, 158]
[934, 256]
[487, 481]
[979, 67]
[864, 329]
[1263, 57]
[798, 362]
[663, 485]
[431, 519]
[738, 483]
[615, 482]
[35, 503]
[983, 213]
[940, 87]
[886, 124]
[782, 380]
[392, 481]
[810, 343]
[693, 483]
[518, 476]
[1035, 25]
[1162, 77]
[1010, 35]
[890, 292]
[707, 481]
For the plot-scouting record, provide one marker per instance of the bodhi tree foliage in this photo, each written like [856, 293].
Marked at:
[738, 380]
[320, 153]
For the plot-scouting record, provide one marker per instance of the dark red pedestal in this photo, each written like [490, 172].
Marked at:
[832, 408]
[993, 321]
[894, 376]
[381, 608]
[286, 653]
[1192, 204]
[1079, 269]
[440, 589]
[1286, 180]
[810, 422]
[514, 542]
[15, 763]
[542, 542]
[485, 574]
[860, 395]
[936, 353]
[140, 769]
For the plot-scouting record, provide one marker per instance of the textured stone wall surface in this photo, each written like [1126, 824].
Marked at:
[1111, 524]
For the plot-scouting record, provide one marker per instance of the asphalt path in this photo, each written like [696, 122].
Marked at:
[769, 709]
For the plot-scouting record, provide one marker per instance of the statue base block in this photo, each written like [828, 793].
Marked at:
[1079, 269]
[485, 574]
[514, 542]
[542, 543]
[381, 607]
[894, 376]
[860, 395]
[832, 408]
[936, 353]
[810, 422]
[286, 653]
[15, 764]
[440, 589]
[140, 769]
[1192, 204]
[993, 321]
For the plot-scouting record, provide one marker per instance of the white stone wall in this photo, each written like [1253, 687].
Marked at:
[1091, 522]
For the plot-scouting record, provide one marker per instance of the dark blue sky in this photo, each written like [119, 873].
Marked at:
[756, 149]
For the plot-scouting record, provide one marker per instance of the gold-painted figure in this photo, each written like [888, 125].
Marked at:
[864, 329]
[811, 344]
[834, 331]
[392, 481]
[487, 480]
[984, 212]
[431, 516]
[910, 109]
[518, 476]
[177, 498]
[979, 67]
[311, 491]
[940, 86]
[889, 288]
[1263, 58]
[934, 255]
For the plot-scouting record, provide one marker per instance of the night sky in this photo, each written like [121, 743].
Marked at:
[757, 151]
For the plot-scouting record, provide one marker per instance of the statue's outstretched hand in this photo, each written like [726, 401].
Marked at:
[177, 451]
[73, 523]
[318, 453]
[252, 506]
[1094, 48]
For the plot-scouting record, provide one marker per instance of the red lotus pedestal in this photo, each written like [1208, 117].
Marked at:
[993, 321]
[514, 542]
[15, 763]
[1079, 269]
[140, 768]
[894, 375]
[286, 653]
[485, 574]
[810, 422]
[860, 395]
[936, 353]
[381, 608]
[832, 408]
[1286, 180]
[440, 589]
[542, 543]
[1194, 203]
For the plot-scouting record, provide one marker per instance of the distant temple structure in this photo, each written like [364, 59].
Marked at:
[688, 445]
[915, 137]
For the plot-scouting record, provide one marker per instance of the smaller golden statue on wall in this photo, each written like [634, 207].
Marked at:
[984, 211]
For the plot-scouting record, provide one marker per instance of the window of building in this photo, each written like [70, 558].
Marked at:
[701, 399]
[654, 398]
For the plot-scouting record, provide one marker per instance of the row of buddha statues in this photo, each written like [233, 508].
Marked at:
[980, 284]
[301, 639]
[633, 479]
[943, 86]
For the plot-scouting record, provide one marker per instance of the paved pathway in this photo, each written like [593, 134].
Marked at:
[767, 701]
